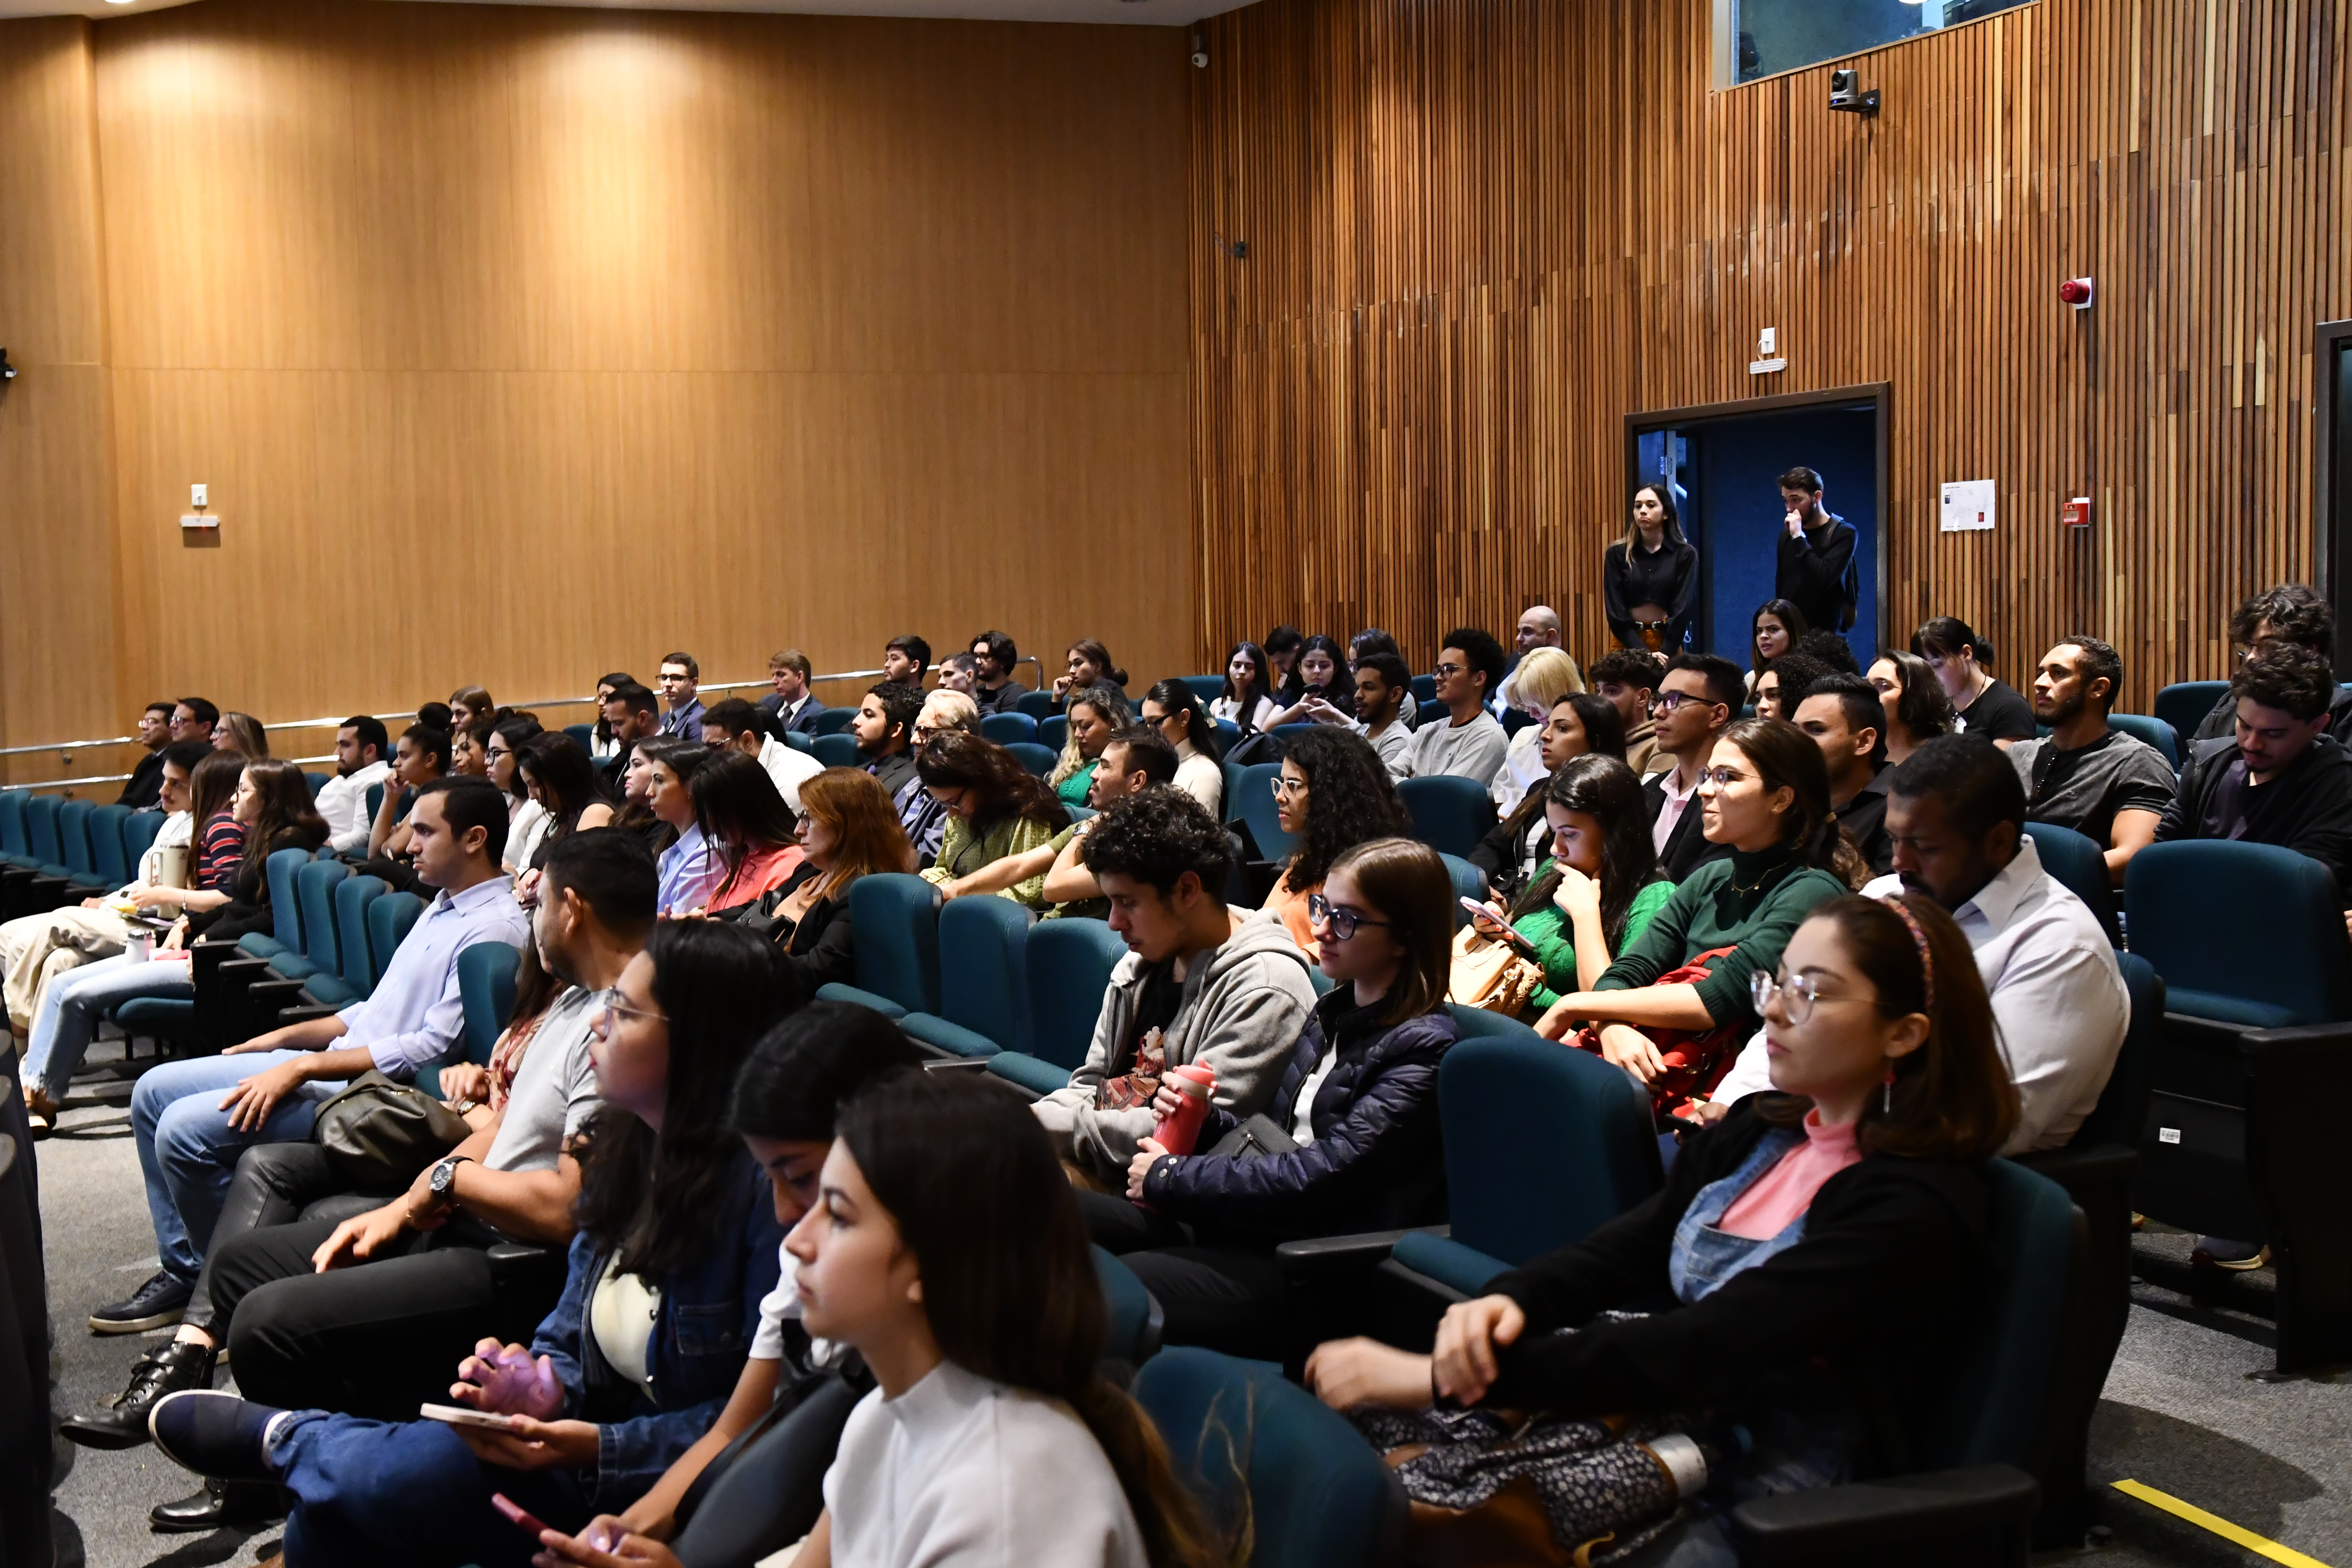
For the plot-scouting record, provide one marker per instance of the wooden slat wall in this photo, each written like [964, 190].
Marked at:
[521, 343]
[1481, 231]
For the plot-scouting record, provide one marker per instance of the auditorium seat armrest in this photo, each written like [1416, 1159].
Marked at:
[1322, 1256]
[1867, 1521]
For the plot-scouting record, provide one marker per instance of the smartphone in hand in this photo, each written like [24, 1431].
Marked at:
[458, 1416]
[521, 1518]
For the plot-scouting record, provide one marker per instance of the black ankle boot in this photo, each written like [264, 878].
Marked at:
[221, 1505]
[123, 1423]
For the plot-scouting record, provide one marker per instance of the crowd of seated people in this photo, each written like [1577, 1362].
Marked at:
[747, 1186]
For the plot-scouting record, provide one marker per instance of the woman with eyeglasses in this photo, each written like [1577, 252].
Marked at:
[241, 734]
[677, 1245]
[1348, 1144]
[1579, 724]
[995, 807]
[1649, 579]
[1095, 714]
[1916, 708]
[526, 818]
[1683, 987]
[1598, 890]
[1333, 793]
[1982, 704]
[1819, 1255]
[848, 829]
[1173, 709]
[1247, 701]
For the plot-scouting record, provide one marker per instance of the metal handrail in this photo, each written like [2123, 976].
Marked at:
[68, 747]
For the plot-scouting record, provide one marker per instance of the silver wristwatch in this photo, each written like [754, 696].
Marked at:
[444, 1177]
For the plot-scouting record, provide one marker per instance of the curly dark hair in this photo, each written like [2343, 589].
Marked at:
[956, 759]
[1829, 648]
[2288, 676]
[1350, 800]
[1156, 836]
[1792, 672]
[654, 1199]
[2293, 612]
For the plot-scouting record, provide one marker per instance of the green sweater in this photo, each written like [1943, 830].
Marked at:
[1553, 934]
[1751, 902]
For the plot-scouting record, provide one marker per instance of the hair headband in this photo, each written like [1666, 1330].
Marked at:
[1926, 958]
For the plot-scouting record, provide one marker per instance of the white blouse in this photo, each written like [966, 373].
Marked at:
[961, 1472]
[1230, 709]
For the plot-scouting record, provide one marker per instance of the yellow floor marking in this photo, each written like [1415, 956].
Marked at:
[2218, 1526]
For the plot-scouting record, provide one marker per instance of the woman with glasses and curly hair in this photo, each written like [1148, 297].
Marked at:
[1334, 793]
[995, 807]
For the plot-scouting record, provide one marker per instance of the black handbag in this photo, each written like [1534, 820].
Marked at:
[1256, 1139]
[380, 1134]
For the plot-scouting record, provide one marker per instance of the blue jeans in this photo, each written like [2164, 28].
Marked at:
[188, 1152]
[409, 1494]
[71, 1007]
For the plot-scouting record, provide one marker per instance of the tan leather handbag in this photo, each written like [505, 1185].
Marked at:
[1489, 975]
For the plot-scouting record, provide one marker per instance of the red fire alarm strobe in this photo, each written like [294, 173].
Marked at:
[2076, 291]
[2076, 514]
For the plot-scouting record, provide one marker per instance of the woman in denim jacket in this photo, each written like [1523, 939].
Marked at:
[677, 1245]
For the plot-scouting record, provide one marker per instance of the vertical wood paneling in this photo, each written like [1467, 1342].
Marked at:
[521, 343]
[1482, 231]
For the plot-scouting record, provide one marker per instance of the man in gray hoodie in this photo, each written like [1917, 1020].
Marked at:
[1201, 982]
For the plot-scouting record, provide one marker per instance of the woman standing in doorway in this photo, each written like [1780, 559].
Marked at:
[1649, 578]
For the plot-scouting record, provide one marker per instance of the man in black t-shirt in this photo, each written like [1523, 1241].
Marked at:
[2105, 784]
[1815, 569]
[1847, 721]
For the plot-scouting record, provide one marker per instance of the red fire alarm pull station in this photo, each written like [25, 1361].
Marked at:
[2077, 292]
[2076, 514]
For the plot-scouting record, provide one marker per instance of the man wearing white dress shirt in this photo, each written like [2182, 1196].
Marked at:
[1956, 813]
[360, 760]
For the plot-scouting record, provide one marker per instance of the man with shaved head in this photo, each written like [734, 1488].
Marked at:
[1538, 627]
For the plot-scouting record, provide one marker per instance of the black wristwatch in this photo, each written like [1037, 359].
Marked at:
[444, 1177]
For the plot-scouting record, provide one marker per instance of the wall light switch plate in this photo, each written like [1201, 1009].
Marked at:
[1768, 343]
[196, 497]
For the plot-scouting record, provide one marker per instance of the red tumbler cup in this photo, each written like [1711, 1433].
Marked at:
[1179, 1133]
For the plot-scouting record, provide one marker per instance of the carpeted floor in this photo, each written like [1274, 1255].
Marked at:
[2183, 1413]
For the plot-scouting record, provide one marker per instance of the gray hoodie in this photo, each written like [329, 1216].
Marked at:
[1243, 1007]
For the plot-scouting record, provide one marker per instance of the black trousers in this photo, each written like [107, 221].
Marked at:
[1232, 1298]
[275, 1184]
[372, 1339]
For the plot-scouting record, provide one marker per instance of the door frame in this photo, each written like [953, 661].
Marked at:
[2331, 515]
[1878, 395]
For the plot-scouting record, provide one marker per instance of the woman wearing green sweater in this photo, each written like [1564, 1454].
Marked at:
[996, 808]
[1593, 896]
[1766, 793]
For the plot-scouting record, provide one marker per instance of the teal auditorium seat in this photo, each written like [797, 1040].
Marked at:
[1207, 688]
[1039, 760]
[1249, 799]
[1285, 733]
[832, 721]
[317, 782]
[285, 933]
[897, 919]
[798, 741]
[105, 844]
[1542, 1143]
[15, 850]
[2185, 704]
[1053, 730]
[1133, 1317]
[1424, 689]
[1449, 814]
[1006, 727]
[485, 989]
[73, 844]
[836, 751]
[983, 985]
[1469, 882]
[2257, 1030]
[314, 896]
[1974, 1502]
[1069, 967]
[2245, 933]
[389, 920]
[585, 734]
[2154, 731]
[1038, 705]
[1317, 1494]
[139, 831]
[355, 970]
[2082, 867]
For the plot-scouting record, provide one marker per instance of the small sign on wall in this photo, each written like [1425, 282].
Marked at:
[1968, 505]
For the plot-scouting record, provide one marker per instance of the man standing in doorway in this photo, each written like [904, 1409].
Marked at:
[1816, 570]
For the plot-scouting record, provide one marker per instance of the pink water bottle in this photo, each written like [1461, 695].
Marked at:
[1179, 1133]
